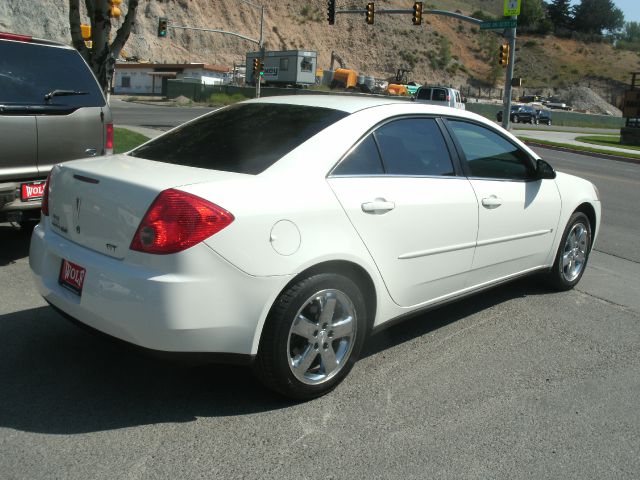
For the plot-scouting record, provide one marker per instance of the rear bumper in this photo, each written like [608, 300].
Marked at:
[12, 208]
[200, 304]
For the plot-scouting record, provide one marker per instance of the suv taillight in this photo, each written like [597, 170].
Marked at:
[13, 36]
[176, 221]
[44, 206]
[109, 143]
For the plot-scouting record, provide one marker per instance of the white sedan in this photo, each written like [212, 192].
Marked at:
[282, 231]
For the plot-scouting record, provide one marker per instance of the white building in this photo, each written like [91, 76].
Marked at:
[151, 78]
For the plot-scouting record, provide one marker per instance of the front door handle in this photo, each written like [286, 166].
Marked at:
[90, 152]
[491, 202]
[378, 206]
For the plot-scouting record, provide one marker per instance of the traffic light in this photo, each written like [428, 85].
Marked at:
[114, 9]
[256, 66]
[261, 67]
[371, 11]
[331, 11]
[162, 27]
[503, 58]
[417, 13]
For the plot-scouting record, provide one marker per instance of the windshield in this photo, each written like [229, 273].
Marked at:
[244, 138]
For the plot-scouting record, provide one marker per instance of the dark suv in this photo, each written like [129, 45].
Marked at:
[51, 110]
[521, 113]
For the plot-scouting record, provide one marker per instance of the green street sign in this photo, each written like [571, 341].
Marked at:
[498, 24]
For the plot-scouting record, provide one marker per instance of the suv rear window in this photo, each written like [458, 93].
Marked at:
[244, 138]
[28, 71]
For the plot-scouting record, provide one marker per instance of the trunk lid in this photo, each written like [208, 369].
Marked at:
[99, 203]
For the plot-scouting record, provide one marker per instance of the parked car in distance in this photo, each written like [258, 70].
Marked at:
[556, 105]
[445, 96]
[521, 113]
[529, 98]
[282, 231]
[544, 116]
[51, 110]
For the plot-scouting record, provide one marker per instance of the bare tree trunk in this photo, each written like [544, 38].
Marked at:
[101, 57]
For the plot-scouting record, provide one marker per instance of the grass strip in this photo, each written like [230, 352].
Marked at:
[580, 148]
[225, 99]
[606, 141]
[124, 140]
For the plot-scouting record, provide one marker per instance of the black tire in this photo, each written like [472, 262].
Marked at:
[28, 225]
[516, 119]
[280, 346]
[566, 273]
[549, 122]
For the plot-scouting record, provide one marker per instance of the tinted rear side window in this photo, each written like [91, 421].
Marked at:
[244, 138]
[414, 146]
[424, 94]
[440, 94]
[29, 71]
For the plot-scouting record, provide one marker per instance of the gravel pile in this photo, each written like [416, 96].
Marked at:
[583, 99]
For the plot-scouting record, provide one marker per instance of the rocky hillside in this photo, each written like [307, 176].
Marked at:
[440, 50]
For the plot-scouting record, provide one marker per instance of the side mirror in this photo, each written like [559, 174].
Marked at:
[544, 171]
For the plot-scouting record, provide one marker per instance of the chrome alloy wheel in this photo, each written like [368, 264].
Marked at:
[321, 336]
[574, 254]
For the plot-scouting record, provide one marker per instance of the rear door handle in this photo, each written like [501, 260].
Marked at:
[378, 206]
[91, 152]
[491, 202]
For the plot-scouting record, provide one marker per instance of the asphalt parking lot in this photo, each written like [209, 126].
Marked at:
[515, 382]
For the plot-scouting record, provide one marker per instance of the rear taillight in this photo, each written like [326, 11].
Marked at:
[109, 143]
[44, 206]
[13, 36]
[448, 97]
[176, 221]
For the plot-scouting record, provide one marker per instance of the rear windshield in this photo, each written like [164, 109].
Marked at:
[29, 71]
[244, 138]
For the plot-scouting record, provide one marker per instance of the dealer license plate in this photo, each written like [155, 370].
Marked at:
[32, 191]
[72, 276]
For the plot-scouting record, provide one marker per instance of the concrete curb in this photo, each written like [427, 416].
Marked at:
[583, 152]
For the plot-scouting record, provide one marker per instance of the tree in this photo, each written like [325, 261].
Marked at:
[594, 16]
[559, 12]
[631, 32]
[531, 13]
[102, 55]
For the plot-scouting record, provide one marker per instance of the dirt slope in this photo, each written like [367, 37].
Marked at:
[378, 50]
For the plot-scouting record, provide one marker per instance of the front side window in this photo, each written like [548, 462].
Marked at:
[489, 155]
[245, 138]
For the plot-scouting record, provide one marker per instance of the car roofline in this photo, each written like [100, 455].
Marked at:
[19, 38]
[346, 103]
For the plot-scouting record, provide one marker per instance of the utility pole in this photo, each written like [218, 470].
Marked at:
[506, 108]
[164, 25]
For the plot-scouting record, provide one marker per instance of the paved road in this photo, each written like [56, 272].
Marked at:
[153, 116]
[516, 382]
